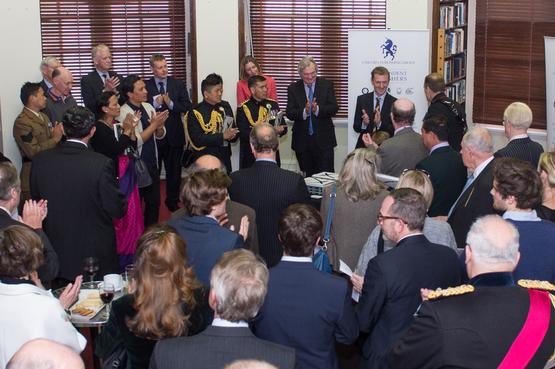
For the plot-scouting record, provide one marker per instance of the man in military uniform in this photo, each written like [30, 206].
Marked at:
[257, 109]
[33, 131]
[209, 126]
[490, 323]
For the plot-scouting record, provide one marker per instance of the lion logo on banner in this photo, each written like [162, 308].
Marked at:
[389, 49]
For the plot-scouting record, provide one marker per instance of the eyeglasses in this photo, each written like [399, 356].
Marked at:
[382, 217]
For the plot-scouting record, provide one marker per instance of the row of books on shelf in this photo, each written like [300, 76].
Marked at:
[454, 68]
[452, 15]
[454, 42]
[457, 91]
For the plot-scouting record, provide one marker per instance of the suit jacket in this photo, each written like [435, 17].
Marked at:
[402, 151]
[216, 347]
[83, 199]
[366, 102]
[205, 242]
[324, 129]
[49, 269]
[32, 134]
[181, 104]
[235, 211]
[252, 186]
[92, 86]
[391, 291]
[474, 202]
[307, 310]
[456, 127]
[523, 149]
[473, 330]
[448, 176]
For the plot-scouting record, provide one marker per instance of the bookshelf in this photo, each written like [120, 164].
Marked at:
[450, 33]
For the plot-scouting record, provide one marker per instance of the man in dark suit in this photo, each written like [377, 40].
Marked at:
[83, 198]
[311, 104]
[238, 286]
[477, 325]
[209, 125]
[440, 104]
[32, 216]
[405, 149]
[443, 164]
[517, 118]
[297, 292]
[475, 199]
[372, 112]
[234, 211]
[392, 283]
[168, 93]
[267, 189]
[47, 66]
[100, 79]
[204, 195]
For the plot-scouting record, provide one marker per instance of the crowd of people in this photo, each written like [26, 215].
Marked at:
[454, 267]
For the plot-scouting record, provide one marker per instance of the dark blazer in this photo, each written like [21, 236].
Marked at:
[205, 242]
[105, 143]
[216, 347]
[181, 104]
[448, 176]
[83, 199]
[456, 127]
[475, 202]
[366, 102]
[235, 211]
[307, 310]
[324, 129]
[474, 330]
[92, 86]
[523, 149]
[49, 269]
[402, 151]
[391, 291]
[252, 187]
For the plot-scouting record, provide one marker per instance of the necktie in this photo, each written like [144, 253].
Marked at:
[310, 97]
[377, 110]
[162, 89]
[105, 76]
[466, 185]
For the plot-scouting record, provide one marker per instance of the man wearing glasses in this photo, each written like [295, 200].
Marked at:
[392, 283]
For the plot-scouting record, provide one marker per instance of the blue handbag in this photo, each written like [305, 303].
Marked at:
[320, 259]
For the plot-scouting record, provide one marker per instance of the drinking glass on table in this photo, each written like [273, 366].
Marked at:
[91, 266]
[107, 295]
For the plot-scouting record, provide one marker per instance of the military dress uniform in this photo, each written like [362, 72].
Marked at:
[204, 127]
[250, 113]
[487, 324]
[33, 134]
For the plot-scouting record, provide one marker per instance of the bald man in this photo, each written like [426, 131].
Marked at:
[479, 325]
[234, 210]
[59, 98]
[405, 149]
[45, 354]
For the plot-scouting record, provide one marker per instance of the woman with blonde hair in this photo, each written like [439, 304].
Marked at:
[165, 300]
[249, 67]
[436, 231]
[358, 198]
[546, 167]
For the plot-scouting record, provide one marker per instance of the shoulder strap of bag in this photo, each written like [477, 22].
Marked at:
[327, 230]
[451, 106]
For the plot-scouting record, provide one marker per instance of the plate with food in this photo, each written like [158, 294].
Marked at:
[87, 306]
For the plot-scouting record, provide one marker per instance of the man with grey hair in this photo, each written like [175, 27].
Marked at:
[475, 199]
[392, 283]
[101, 79]
[59, 98]
[489, 323]
[238, 285]
[47, 66]
[45, 354]
[517, 118]
[311, 105]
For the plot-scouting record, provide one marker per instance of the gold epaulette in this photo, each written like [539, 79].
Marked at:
[451, 291]
[536, 285]
[271, 100]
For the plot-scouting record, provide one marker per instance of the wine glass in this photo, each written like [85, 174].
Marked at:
[91, 266]
[128, 276]
[107, 295]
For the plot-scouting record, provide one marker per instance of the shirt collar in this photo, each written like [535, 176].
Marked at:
[400, 129]
[522, 216]
[47, 83]
[164, 81]
[409, 235]
[297, 259]
[439, 145]
[219, 322]
[76, 140]
[7, 211]
[32, 111]
[481, 167]
[524, 135]
[101, 74]
[267, 159]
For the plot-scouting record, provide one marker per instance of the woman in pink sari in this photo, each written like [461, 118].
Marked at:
[118, 141]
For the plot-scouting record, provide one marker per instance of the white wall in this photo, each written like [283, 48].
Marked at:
[408, 14]
[21, 56]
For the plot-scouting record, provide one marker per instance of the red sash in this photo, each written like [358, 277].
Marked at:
[532, 333]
